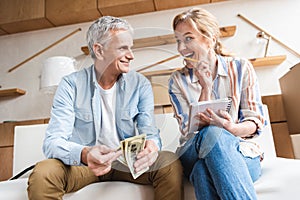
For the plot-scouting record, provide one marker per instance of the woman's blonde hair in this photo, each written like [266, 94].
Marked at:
[206, 23]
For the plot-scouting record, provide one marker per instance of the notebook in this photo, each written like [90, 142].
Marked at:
[197, 107]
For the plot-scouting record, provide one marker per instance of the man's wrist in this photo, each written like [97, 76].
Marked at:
[84, 154]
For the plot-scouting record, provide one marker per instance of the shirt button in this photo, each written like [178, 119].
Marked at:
[74, 162]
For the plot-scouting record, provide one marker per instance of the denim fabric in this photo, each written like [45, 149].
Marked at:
[216, 168]
[76, 113]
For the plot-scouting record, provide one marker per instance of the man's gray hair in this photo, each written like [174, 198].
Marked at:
[99, 31]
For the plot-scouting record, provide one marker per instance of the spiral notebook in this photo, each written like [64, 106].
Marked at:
[197, 107]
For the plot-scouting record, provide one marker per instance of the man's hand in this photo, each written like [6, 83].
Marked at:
[146, 157]
[99, 159]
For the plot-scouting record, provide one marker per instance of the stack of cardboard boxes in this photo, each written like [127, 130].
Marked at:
[290, 89]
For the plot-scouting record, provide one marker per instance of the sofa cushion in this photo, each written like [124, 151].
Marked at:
[280, 177]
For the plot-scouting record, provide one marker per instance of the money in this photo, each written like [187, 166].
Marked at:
[131, 147]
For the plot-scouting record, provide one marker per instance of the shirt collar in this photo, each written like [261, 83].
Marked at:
[121, 80]
[222, 67]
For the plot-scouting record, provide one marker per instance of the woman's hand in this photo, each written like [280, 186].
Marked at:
[99, 158]
[204, 74]
[224, 120]
[146, 157]
[205, 79]
[209, 117]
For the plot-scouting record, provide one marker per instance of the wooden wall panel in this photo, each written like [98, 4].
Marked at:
[126, 7]
[167, 4]
[19, 15]
[214, 1]
[71, 11]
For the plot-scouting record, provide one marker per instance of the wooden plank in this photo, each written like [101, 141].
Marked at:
[226, 31]
[154, 41]
[266, 61]
[157, 63]
[160, 72]
[12, 92]
[274, 60]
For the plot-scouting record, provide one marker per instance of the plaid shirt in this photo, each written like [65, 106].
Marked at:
[235, 78]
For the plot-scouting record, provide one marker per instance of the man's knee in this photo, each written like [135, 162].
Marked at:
[47, 175]
[47, 168]
[168, 178]
[169, 163]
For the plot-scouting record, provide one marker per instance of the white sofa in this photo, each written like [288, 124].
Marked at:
[280, 177]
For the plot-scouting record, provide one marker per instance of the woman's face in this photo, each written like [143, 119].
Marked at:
[192, 44]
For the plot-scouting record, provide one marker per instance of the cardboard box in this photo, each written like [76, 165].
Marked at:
[290, 89]
[296, 141]
[282, 140]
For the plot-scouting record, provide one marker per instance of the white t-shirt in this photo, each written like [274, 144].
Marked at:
[108, 132]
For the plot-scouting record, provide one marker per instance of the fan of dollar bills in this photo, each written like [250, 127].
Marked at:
[131, 147]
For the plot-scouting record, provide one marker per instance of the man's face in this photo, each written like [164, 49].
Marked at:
[117, 52]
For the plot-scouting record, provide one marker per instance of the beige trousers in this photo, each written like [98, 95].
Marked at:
[51, 179]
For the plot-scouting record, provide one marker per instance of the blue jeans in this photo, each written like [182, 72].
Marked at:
[216, 168]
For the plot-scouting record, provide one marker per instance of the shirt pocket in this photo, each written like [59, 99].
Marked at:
[84, 128]
[128, 120]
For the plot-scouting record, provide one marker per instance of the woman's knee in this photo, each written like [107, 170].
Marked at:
[213, 137]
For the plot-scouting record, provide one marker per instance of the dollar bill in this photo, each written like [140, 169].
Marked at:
[131, 147]
[122, 158]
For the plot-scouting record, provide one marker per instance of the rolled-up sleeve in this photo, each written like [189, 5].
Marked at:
[251, 107]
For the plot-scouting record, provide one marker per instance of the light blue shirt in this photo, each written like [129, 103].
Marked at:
[76, 113]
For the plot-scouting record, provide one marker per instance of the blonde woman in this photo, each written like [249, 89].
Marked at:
[219, 159]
